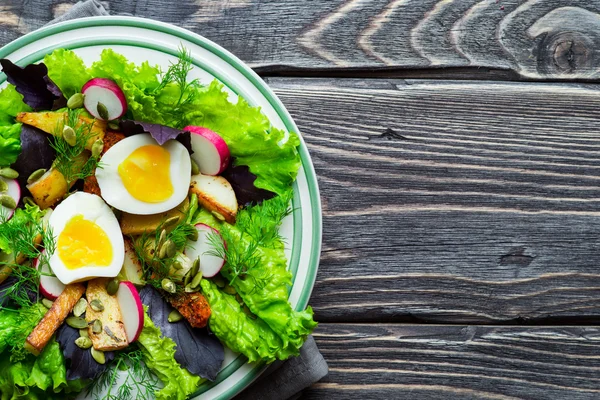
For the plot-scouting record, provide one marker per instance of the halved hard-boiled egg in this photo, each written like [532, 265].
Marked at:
[139, 176]
[88, 239]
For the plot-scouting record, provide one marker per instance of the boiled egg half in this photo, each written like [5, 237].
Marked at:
[139, 176]
[88, 239]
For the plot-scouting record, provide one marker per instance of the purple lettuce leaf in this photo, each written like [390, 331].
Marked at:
[242, 182]
[36, 153]
[27, 288]
[197, 350]
[160, 133]
[38, 90]
[80, 364]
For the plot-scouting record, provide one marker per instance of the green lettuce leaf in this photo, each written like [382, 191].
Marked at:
[15, 326]
[11, 103]
[265, 287]
[43, 377]
[67, 70]
[137, 83]
[252, 140]
[238, 331]
[159, 356]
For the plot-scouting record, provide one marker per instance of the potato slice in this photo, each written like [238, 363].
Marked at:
[56, 315]
[216, 195]
[132, 224]
[113, 336]
[49, 122]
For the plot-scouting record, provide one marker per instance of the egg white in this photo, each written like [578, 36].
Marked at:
[94, 209]
[114, 192]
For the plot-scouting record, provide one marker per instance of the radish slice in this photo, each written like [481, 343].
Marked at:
[50, 286]
[107, 92]
[132, 310]
[210, 265]
[14, 191]
[132, 270]
[210, 150]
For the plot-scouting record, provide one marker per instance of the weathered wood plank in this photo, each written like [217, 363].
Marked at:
[551, 39]
[379, 361]
[454, 201]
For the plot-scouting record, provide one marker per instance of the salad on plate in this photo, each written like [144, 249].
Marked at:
[139, 231]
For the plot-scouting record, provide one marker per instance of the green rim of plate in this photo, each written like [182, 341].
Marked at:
[259, 84]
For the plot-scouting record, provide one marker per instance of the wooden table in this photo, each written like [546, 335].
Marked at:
[456, 144]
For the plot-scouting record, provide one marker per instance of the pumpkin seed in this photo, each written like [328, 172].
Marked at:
[77, 322]
[168, 286]
[195, 167]
[29, 201]
[167, 249]
[193, 235]
[97, 326]
[196, 281]
[112, 335]
[219, 281]
[192, 207]
[112, 287]
[97, 148]
[36, 175]
[174, 316]
[114, 126]
[3, 186]
[8, 173]
[98, 356]
[162, 237]
[192, 272]
[69, 135]
[171, 221]
[96, 305]
[8, 202]
[80, 307]
[218, 216]
[75, 101]
[102, 111]
[84, 332]
[190, 289]
[47, 303]
[83, 342]
[229, 289]
[177, 266]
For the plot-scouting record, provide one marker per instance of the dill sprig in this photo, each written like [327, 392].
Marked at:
[177, 74]
[139, 381]
[74, 162]
[155, 268]
[258, 226]
[21, 237]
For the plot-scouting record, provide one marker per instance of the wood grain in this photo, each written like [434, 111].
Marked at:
[454, 201]
[529, 39]
[378, 361]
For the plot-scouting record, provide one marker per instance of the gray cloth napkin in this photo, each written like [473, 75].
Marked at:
[282, 380]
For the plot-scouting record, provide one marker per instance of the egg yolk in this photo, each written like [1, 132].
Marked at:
[146, 174]
[83, 243]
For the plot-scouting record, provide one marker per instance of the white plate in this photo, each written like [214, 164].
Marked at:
[146, 40]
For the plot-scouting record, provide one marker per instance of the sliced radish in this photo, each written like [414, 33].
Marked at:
[132, 267]
[210, 265]
[210, 150]
[50, 286]
[132, 310]
[14, 191]
[107, 92]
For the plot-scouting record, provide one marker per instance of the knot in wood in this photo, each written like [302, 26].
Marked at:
[565, 53]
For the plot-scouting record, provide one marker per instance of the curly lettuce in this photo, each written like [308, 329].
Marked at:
[11, 103]
[159, 356]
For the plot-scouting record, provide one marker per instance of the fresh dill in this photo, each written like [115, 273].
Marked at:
[177, 75]
[74, 162]
[21, 238]
[139, 382]
[145, 246]
[258, 226]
